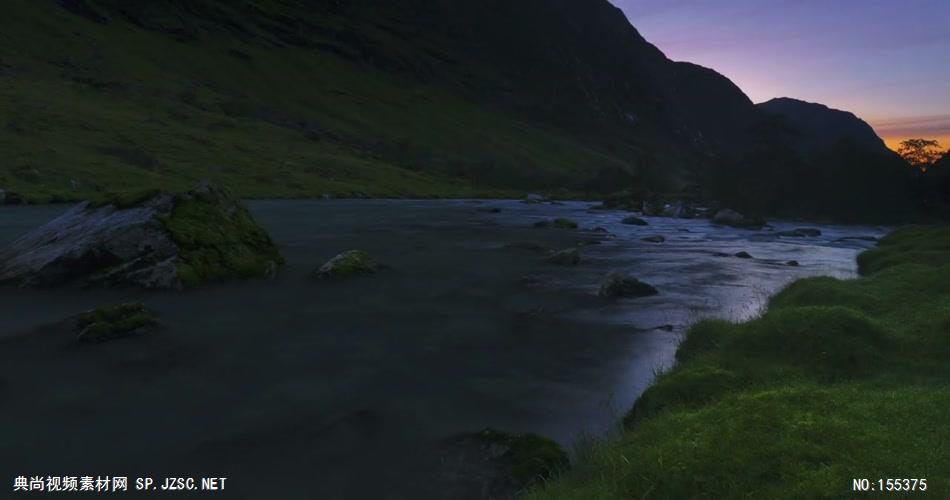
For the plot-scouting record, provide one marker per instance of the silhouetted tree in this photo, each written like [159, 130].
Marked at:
[920, 153]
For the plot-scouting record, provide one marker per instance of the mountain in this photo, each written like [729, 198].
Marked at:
[392, 98]
[818, 127]
[350, 97]
[808, 160]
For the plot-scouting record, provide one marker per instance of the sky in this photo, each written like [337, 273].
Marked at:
[887, 61]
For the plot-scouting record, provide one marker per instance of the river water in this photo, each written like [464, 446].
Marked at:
[297, 389]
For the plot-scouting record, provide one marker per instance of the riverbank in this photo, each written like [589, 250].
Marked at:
[838, 380]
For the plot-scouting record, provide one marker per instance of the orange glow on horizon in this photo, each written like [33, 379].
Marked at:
[894, 141]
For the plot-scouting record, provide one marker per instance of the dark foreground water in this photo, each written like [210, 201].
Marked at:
[296, 389]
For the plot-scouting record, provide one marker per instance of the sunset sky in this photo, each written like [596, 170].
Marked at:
[887, 61]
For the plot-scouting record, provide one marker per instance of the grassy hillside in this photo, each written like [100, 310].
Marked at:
[92, 106]
[837, 380]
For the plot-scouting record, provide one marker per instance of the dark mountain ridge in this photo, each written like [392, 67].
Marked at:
[360, 98]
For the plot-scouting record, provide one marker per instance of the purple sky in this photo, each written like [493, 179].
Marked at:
[888, 61]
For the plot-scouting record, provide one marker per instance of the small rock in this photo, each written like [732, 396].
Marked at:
[108, 323]
[565, 257]
[490, 210]
[533, 199]
[732, 218]
[531, 246]
[348, 263]
[533, 314]
[793, 263]
[665, 328]
[619, 285]
[634, 221]
[742, 255]
[564, 223]
[529, 280]
[599, 229]
[728, 217]
[654, 239]
[802, 232]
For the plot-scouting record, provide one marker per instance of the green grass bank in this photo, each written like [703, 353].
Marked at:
[838, 380]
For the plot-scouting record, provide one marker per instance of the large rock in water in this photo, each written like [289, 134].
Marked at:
[147, 240]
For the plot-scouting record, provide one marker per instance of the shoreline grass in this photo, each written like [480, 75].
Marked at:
[836, 381]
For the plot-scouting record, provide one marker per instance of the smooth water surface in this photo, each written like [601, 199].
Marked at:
[332, 390]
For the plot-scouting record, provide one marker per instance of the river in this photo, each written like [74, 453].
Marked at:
[297, 389]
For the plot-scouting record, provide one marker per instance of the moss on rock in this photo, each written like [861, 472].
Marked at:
[218, 238]
[565, 223]
[619, 285]
[112, 322]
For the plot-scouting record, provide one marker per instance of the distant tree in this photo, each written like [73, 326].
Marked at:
[920, 153]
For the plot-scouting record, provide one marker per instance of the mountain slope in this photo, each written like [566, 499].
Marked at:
[304, 97]
[820, 127]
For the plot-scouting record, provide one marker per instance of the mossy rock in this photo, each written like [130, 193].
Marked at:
[146, 239]
[346, 264]
[112, 322]
[218, 238]
[565, 257]
[618, 285]
[564, 223]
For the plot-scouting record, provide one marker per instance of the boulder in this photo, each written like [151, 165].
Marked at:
[348, 263]
[113, 322]
[618, 285]
[654, 239]
[149, 239]
[742, 255]
[634, 221]
[565, 257]
[792, 263]
[680, 209]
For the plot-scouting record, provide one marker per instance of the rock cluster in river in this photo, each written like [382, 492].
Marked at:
[148, 240]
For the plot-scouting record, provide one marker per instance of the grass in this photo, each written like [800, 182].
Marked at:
[836, 380]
